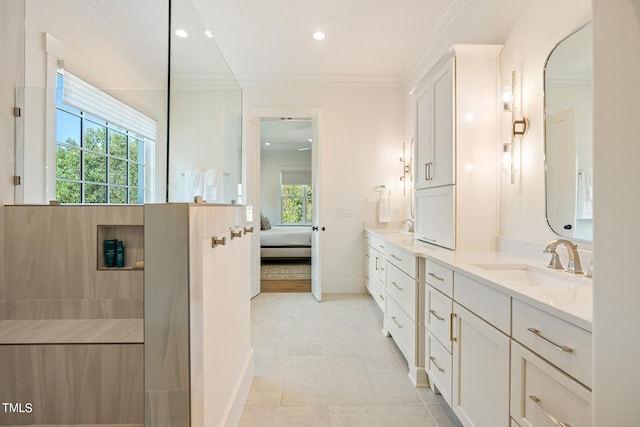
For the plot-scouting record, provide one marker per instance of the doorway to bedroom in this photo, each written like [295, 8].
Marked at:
[286, 204]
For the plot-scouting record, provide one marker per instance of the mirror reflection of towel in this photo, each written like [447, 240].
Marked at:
[213, 185]
[193, 184]
[584, 208]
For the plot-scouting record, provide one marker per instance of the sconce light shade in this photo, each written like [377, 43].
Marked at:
[507, 89]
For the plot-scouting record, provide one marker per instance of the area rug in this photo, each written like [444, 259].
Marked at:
[285, 272]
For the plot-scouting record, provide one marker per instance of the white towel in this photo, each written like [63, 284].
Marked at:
[213, 185]
[584, 208]
[384, 207]
[193, 184]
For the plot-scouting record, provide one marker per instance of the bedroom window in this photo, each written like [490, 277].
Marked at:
[295, 197]
[97, 160]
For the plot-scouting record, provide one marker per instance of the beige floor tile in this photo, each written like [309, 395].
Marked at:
[259, 416]
[305, 382]
[348, 382]
[381, 416]
[266, 387]
[303, 416]
[443, 415]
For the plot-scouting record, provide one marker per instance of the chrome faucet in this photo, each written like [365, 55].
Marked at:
[574, 259]
[412, 225]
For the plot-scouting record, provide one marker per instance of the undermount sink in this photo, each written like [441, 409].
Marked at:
[534, 276]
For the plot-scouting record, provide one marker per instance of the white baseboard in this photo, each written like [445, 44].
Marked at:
[240, 393]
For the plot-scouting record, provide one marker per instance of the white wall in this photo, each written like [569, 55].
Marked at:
[360, 138]
[271, 164]
[616, 234]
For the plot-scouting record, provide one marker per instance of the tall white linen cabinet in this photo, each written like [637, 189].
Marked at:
[455, 169]
[198, 357]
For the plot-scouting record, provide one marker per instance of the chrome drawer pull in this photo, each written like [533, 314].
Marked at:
[398, 287]
[382, 297]
[555, 420]
[393, 256]
[433, 360]
[396, 322]
[558, 346]
[436, 277]
[436, 315]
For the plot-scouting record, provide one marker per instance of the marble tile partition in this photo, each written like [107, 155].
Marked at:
[50, 264]
[73, 384]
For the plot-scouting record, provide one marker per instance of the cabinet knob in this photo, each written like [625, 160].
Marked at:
[216, 241]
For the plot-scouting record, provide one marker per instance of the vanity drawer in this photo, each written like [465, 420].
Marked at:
[437, 315]
[402, 329]
[561, 343]
[439, 277]
[437, 362]
[539, 391]
[377, 242]
[402, 289]
[401, 258]
[492, 306]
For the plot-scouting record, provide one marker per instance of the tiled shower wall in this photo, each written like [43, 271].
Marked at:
[51, 264]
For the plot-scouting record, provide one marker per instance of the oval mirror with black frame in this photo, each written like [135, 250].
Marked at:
[568, 103]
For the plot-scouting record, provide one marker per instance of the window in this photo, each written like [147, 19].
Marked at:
[296, 197]
[97, 161]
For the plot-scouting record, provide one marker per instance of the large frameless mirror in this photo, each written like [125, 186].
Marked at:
[568, 102]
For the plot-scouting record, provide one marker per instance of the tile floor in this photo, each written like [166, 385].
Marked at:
[328, 364]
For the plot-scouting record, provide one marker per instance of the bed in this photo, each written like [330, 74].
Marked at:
[286, 241]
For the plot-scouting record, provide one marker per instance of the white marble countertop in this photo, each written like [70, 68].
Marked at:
[72, 331]
[571, 301]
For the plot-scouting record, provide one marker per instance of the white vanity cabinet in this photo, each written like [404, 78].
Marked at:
[375, 268]
[550, 369]
[404, 307]
[455, 149]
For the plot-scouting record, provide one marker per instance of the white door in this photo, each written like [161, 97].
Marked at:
[442, 170]
[561, 172]
[423, 138]
[252, 193]
[318, 227]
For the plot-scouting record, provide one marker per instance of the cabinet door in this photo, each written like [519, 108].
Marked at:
[435, 214]
[480, 371]
[442, 171]
[423, 138]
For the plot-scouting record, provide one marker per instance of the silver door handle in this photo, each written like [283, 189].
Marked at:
[558, 346]
[434, 275]
[433, 360]
[396, 322]
[553, 419]
[436, 315]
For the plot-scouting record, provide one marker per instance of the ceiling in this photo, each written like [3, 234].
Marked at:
[285, 134]
[367, 41]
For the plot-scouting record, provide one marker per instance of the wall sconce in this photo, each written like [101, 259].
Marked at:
[518, 127]
[406, 168]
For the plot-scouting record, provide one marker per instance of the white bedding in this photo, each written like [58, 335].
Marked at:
[286, 236]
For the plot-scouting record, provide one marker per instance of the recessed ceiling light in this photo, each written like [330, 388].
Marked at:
[309, 139]
[304, 149]
[208, 34]
[180, 32]
[267, 143]
[318, 35]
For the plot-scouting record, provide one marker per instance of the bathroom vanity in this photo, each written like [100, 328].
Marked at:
[503, 338]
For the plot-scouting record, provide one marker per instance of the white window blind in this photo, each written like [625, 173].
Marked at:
[293, 177]
[88, 98]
